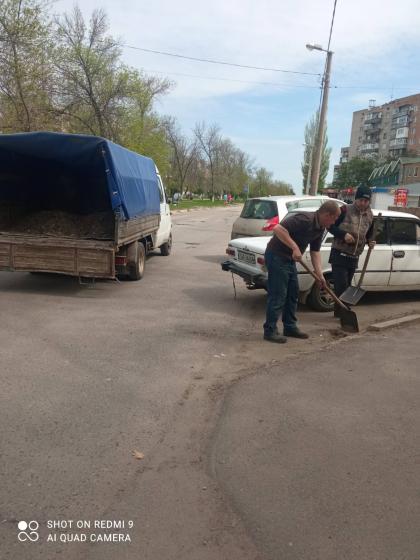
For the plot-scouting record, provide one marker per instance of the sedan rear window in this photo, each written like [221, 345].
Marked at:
[305, 203]
[259, 209]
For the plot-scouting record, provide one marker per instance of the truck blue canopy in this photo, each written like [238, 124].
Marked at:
[76, 172]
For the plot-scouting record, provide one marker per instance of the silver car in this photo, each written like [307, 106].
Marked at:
[260, 215]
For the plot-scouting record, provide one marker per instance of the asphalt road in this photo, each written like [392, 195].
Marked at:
[91, 374]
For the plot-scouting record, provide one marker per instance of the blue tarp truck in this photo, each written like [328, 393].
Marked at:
[78, 205]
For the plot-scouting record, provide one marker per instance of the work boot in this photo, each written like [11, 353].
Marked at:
[295, 333]
[275, 337]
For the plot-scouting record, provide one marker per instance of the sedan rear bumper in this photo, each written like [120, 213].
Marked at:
[251, 280]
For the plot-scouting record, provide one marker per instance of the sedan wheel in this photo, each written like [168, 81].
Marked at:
[319, 299]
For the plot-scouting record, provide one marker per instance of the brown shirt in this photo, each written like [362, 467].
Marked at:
[304, 229]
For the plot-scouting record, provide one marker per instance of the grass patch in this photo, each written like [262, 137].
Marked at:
[197, 203]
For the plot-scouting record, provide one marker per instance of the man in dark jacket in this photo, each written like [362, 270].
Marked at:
[352, 230]
[289, 241]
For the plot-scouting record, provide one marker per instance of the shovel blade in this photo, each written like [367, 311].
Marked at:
[348, 320]
[352, 295]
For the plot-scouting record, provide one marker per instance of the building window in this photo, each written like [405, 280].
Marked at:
[384, 136]
[409, 171]
[415, 172]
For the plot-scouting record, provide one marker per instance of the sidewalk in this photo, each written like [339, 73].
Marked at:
[320, 455]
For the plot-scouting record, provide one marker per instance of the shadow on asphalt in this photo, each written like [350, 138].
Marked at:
[382, 298]
[50, 284]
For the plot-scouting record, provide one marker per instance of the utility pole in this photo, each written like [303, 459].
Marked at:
[322, 118]
[308, 175]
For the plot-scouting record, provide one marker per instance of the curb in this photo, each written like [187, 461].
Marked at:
[409, 319]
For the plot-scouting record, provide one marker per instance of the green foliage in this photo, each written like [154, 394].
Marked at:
[310, 138]
[355, 171]
[26, 76]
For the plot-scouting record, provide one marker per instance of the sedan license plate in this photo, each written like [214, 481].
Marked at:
[248, 258]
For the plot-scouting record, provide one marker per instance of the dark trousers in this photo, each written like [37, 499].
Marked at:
[283, 293]
[342, 277]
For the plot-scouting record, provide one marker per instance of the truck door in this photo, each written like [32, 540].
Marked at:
[165, 226]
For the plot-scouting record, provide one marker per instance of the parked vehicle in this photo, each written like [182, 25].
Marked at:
[260, 215]
[79, 205]
[394, 264]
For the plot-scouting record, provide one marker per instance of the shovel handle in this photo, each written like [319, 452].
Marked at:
[327, 288]
[359, 283]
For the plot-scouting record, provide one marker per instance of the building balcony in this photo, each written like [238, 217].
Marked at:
[398, 143]
[400, 122]
[371, 147]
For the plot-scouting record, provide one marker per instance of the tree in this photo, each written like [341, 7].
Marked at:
[184, 152]
[261, 182]
[209, 141]
[355, 171]
[311, 130]
[91, 81]
[25, 68]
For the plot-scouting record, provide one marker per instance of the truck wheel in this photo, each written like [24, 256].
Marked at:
[136, 267]
[166, 248]
[318, 299]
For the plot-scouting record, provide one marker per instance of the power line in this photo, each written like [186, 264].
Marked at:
[332, 25]
[210, 61]
[277, 84]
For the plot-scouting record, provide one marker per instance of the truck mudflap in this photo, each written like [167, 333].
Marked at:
[251, 280]
[63, 256]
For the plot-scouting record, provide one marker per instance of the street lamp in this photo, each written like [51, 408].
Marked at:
[321, 126]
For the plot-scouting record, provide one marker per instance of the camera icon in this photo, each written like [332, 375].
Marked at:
[28, 531]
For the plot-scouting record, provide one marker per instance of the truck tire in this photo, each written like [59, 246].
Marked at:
[137, 265]
[166, 248]
[318, 299]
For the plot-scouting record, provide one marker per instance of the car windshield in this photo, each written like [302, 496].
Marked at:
[259, 209]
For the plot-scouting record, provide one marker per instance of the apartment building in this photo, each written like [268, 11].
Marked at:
[386, 130]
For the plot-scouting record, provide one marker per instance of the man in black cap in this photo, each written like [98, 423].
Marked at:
[352, 230]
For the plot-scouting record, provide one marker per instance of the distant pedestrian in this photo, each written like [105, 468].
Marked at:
[352, 230]
[290, 240]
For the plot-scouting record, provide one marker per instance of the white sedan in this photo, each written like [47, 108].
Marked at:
[394, 263]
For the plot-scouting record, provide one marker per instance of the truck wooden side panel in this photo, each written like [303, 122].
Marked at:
[65, 256]
[136, 228]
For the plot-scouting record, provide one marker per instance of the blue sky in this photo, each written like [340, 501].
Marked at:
[375, 44]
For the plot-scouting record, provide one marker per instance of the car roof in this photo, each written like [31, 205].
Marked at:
[289, 198]
[376, 212]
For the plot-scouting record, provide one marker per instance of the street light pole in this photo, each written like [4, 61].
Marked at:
[316, 167]
[308, 175]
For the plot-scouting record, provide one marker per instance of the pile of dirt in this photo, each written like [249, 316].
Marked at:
[56, 223]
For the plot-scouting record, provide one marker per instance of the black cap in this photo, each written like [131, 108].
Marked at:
[363, 191]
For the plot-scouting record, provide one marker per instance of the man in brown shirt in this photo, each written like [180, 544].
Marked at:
[290, 240]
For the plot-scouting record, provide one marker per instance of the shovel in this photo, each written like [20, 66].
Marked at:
[353, 294]
[348, 318]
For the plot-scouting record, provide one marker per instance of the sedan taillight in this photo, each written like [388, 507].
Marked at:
[261, 261]
[271, 223]
[230, 251]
